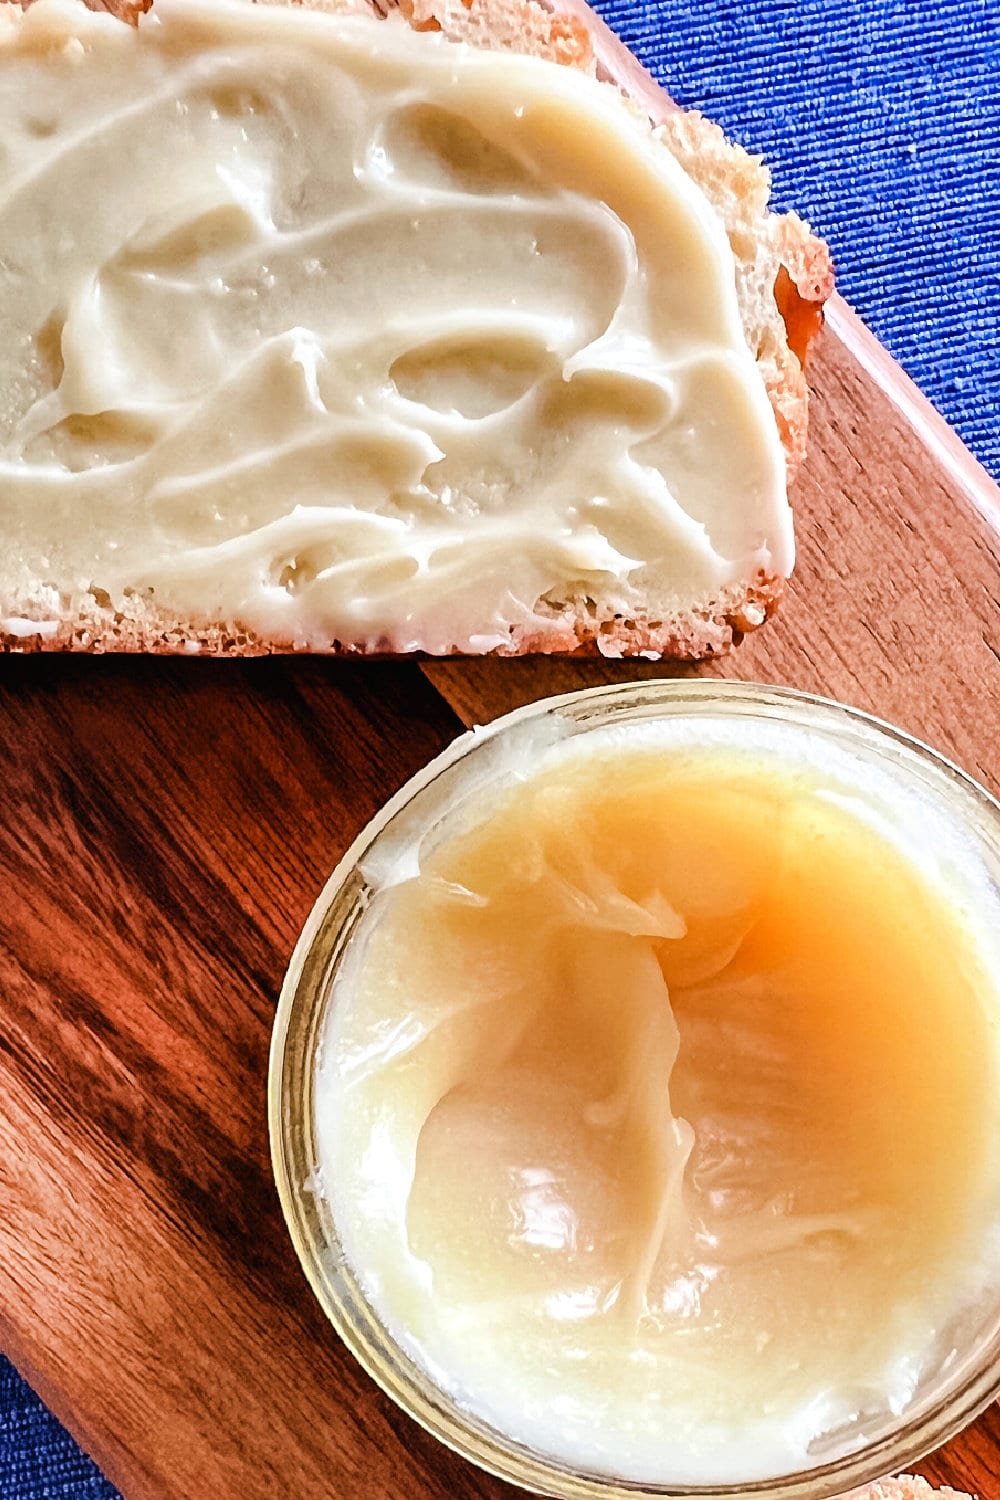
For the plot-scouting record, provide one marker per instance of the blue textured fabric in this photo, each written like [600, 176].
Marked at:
[881, 121]
[38, 1458]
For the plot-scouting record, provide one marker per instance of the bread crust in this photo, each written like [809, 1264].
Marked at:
[906, 1487]
[124, 10]
[513, 25]
[766, 247]
[576, 630]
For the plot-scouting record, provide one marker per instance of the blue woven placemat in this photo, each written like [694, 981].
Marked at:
[38, 1458]
[881, 121]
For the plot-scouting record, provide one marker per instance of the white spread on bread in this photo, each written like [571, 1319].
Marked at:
[353, 334]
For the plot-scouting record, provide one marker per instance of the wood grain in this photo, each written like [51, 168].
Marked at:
[164, 828]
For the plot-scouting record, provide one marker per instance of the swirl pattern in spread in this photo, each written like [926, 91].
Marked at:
[352, 334]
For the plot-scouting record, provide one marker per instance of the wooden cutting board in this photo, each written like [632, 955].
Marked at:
[165, 827]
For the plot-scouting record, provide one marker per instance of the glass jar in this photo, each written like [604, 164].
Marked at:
[426, 803]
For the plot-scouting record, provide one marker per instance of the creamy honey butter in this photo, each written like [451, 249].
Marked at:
[342, 333]
[655, 1103]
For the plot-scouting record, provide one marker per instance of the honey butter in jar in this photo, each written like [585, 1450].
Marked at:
[634, 1095]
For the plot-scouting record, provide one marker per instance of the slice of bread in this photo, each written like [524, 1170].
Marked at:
[782, 275]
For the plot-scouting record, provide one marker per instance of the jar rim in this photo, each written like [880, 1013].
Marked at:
[298, 1029]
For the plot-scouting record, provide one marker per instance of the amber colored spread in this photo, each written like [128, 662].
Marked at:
[658, 1110]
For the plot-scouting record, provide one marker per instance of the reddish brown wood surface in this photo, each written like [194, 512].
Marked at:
[164, 828]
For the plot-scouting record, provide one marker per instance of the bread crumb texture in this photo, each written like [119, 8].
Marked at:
[906, 1487]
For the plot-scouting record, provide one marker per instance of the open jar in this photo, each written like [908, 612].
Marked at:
[802, 909]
